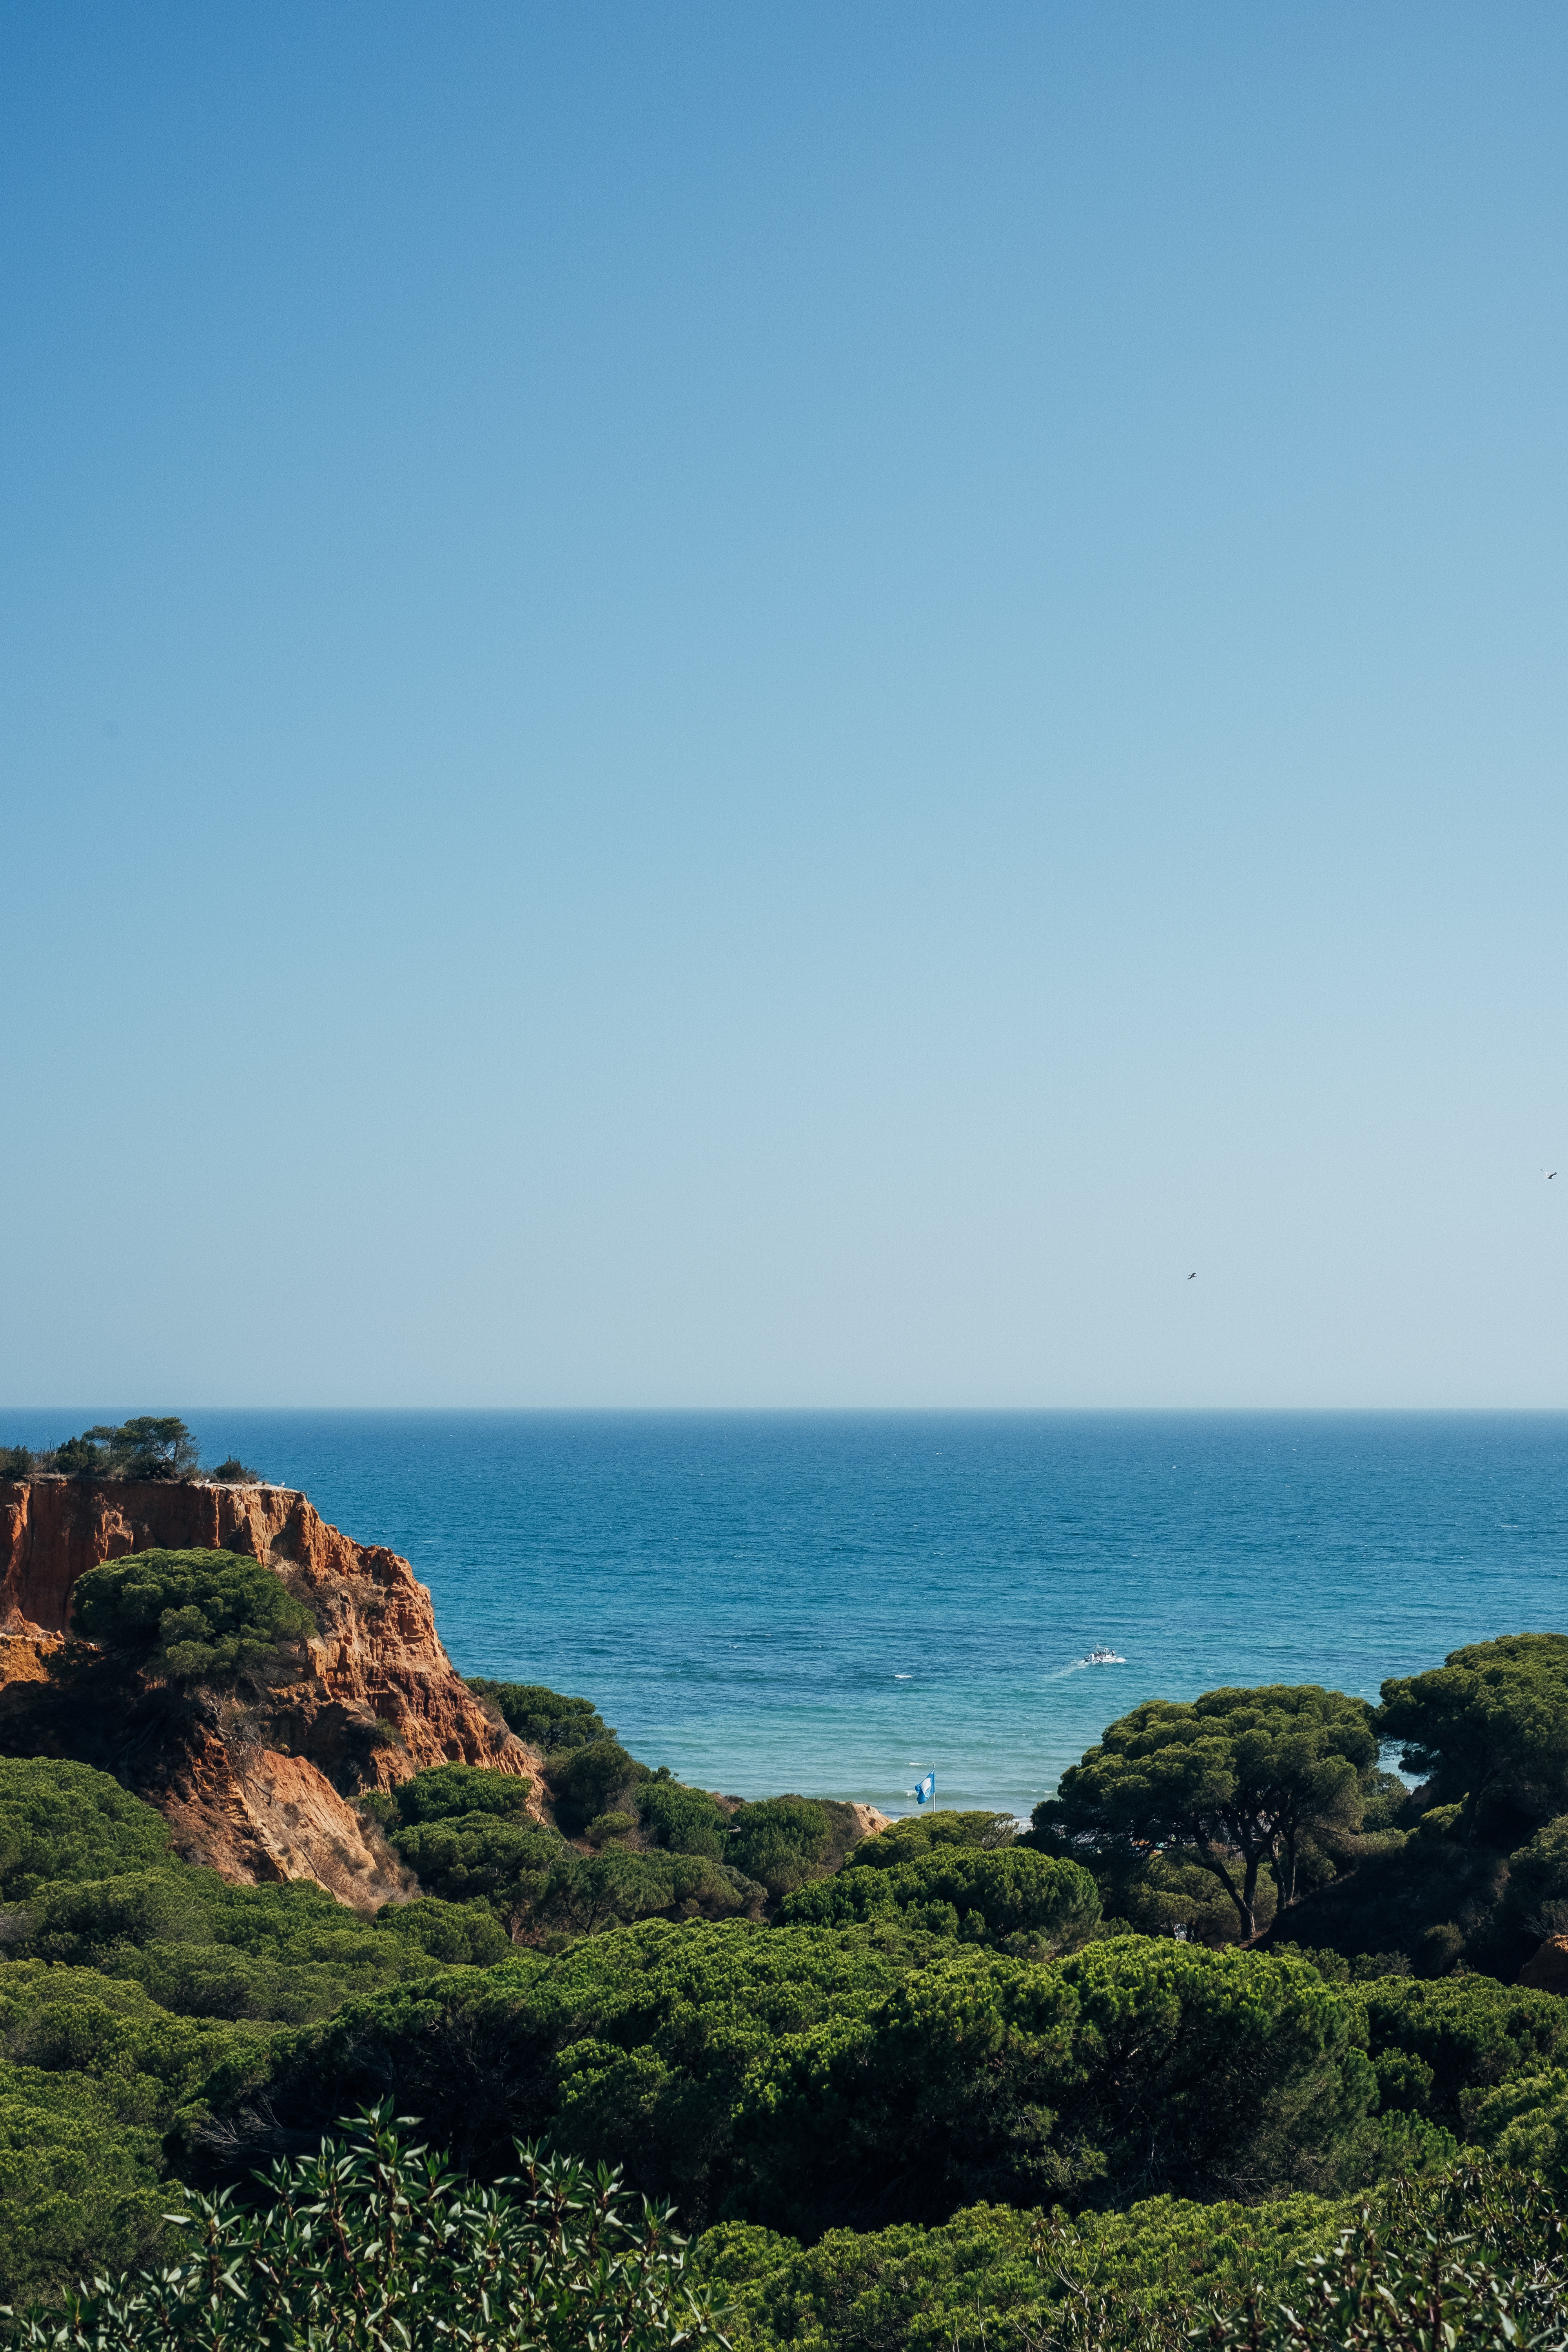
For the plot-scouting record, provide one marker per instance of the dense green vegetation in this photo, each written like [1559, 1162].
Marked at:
[1265, 1811]
[1020, 1902]
[807, 2078]
[543, 1717]
[153, 1445]
[930, 2088]
[194, 1616]
[469, 1837]
[1478, 2251]
[1239, 1782]
[371, 2243]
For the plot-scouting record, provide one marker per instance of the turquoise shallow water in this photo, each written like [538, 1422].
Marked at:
[832, 1603]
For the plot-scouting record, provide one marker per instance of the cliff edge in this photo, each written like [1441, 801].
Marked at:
[257, 1786]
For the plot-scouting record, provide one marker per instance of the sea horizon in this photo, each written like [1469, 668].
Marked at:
[835, 1599]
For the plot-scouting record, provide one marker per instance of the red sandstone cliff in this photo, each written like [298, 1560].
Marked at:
[257, 1789]
[1546, 1970]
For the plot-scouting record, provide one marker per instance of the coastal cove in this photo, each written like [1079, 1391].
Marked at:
[824, 1601]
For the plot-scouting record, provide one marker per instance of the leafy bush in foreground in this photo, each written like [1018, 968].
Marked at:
[373, 2242]
[1478, 2251]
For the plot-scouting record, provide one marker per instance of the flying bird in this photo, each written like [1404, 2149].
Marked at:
[1194, 1275]
[1548, 1174]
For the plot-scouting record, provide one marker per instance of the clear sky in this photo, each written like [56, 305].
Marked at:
[749, 705]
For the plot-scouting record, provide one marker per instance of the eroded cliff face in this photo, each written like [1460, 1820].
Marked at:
[1546, 1970]
[259, 1787]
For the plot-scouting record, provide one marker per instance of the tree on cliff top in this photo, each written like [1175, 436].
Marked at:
[1242, 1777]
[154, 1446]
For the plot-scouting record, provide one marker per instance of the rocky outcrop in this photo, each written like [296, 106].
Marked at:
[259, 1789]
[1547, 1969]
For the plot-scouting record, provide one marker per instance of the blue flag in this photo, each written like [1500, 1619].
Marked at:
[926, 1790]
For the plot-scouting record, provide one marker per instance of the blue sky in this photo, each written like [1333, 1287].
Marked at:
[747, 706]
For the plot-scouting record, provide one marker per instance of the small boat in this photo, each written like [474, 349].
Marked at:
[1102, 1658]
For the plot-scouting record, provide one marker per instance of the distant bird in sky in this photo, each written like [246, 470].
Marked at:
[1548, 1174]
[1194, 1275]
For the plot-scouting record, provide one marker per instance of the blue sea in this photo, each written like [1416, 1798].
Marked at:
[839, 1603]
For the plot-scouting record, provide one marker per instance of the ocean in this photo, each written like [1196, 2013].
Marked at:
[836, 1603]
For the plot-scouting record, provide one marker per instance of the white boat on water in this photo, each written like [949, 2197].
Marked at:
[1102, 1658]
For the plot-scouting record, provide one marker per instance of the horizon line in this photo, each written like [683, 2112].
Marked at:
[796, 1410]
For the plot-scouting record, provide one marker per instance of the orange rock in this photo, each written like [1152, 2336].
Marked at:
[261, 1790]
[1547, 1969]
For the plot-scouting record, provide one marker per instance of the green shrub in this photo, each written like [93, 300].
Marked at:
[1538, 1881]
[60, 1820]
[616, 1887]
[195, 1616]
[910, 1840]
[1524, 2122]
[781, 1842]
[81, 1923]
[606, 1826]
[203, 1948]
[1011, 1897]
[1340, 1970]
[685, 1820]
[153, 1445]
[1489, 1729]
[997, 2277]
[1386, 1802]
[478, 1857]
[449, 1791]
[587, 1781]
[1132, 2068]
[1250, 1784]
[1432, 2043]
[373, 2242]
[1297, 2275]
[232, 1472]
[460, 1935]
[79, 2179]
[543, 1717]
